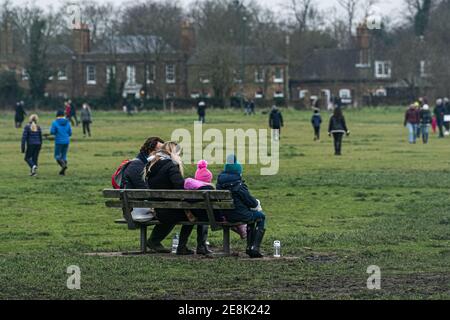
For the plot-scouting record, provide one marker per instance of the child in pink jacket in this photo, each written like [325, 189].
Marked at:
[202, 181]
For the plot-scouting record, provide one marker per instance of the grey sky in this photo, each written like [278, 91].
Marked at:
[392, 8]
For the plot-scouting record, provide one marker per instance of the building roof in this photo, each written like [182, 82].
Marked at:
[253, 56]
[328, 65]
[132, 45]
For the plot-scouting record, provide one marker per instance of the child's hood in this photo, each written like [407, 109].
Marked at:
[62, 122]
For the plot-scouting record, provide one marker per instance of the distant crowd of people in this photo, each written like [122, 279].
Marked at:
[419, 119]
[61, 129]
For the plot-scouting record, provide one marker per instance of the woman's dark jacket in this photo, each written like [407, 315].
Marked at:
[30, 137]
[276, 119]
[165, 174]
[242, 198]
[20, 114]
[337, 124]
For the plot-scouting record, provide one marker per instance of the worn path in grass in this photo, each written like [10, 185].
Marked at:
[384, 202]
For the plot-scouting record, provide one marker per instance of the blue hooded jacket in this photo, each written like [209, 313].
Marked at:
[242, 198]
[62, 131]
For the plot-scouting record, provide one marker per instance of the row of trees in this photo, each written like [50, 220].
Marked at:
[421, 34]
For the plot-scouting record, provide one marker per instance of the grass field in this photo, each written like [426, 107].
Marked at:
[384, 203]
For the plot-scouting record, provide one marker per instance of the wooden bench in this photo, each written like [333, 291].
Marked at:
[171, 199]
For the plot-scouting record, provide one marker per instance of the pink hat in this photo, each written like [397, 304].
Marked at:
[202, 173]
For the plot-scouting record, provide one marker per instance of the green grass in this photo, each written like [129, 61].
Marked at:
[384, 202]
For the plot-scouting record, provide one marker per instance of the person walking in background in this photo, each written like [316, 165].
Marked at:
[201, 111]
[418, 108]
[316, 121]
[439, 112]
[446, 105]
[86, 119]
[32, 143]
[276, 122]
[337, 127]
[62, 131]
[412, 120]
[20, 114]
[73, 113]
[252, 106]
[425, 122]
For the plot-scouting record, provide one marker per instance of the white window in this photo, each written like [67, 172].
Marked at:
[302, 94]
[279, 75]
[195, 95]
[90, 74]
[25, 75]
[381, 92]
[278, 94]
[110, 72]
[237, 77]
[204, 78]
[131, 75]
[62, 73]
[150, 73]
[424, 65]
[170, 95]
[259, 75]
[259, 95]
[170, 73]
[345, 95]
[383, 69]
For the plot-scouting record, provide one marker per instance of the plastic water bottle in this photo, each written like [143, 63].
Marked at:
[277, 249]
[175, 243]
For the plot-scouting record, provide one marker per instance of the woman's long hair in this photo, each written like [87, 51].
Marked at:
[33, 122]
[338, 114]
[169, 150]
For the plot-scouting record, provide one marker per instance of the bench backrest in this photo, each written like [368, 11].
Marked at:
[208, 200]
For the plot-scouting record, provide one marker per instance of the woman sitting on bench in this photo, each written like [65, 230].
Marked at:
[165, 171]
[247, 208]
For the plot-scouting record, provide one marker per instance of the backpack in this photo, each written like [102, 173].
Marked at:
[117, 177]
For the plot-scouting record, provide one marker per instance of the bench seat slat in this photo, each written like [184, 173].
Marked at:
[168, 194]
[156, 222]
[169, 204]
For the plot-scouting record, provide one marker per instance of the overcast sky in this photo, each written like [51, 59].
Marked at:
[392, 8]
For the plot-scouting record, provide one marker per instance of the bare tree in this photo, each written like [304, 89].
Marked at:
[152, 29]
[305, 13]
[350, 7]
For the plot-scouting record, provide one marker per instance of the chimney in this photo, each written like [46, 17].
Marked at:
[363, 43]
[81, 39]
[188, 39]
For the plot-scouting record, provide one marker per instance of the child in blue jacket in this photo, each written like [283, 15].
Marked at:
[62, 131]
[246, 207]
[316, 121]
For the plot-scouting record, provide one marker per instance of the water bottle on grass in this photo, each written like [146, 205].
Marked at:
[277, 249]
[175, 241]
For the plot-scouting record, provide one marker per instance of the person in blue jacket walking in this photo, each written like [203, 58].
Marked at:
[62, 131]
[316, 121]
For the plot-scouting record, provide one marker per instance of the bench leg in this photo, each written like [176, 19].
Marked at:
[143, 239]
[226, 240]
